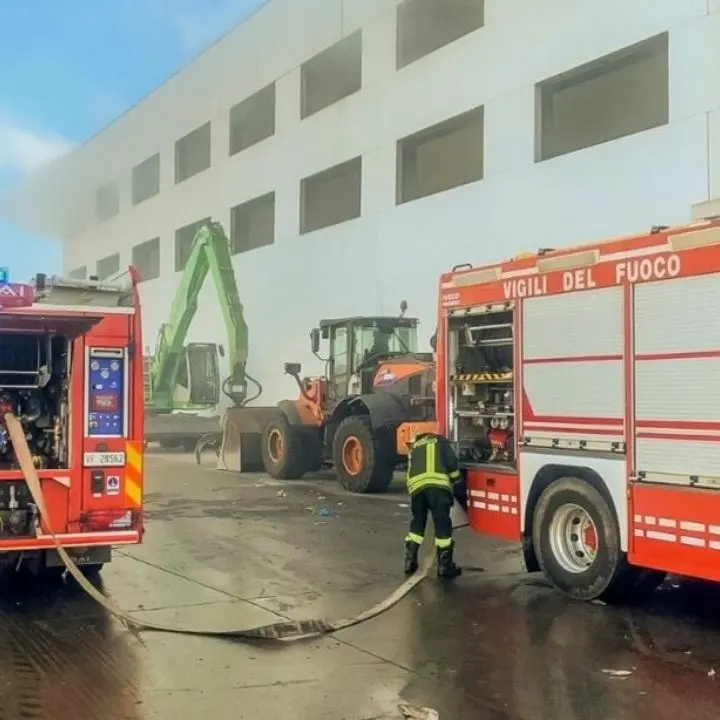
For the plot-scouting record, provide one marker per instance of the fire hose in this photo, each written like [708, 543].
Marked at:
[285, 631]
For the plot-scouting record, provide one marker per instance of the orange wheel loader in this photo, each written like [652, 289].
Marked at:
[377, 393]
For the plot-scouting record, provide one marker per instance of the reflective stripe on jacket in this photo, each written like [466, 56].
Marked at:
[431, 463]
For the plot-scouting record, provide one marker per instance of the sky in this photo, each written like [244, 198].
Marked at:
[69, 67]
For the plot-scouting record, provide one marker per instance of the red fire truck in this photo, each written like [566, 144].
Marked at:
[71, 372]
[579, 388]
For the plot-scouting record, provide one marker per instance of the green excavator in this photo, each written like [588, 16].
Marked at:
[182, 380]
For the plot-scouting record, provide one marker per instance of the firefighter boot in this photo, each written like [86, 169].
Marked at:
[447, 569]
[411, 557]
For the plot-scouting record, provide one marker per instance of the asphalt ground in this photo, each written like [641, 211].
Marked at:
[226, 550]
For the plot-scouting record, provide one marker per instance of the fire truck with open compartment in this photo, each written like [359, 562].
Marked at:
[71, 373]
[579, 388]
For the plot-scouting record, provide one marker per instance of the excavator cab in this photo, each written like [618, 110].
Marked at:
[197, 383]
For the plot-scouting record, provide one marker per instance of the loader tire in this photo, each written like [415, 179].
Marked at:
[364, 460]
[282, 450]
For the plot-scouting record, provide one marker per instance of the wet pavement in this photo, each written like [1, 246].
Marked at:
[228, 551]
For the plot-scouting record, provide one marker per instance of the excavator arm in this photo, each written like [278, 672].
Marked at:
[170, 346]
[217, 247]
[210, 253]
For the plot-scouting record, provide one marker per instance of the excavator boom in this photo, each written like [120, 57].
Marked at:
[174, 361]
[217, 251]
[184, 376]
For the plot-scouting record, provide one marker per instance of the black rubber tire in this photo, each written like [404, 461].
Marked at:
[292, 463]
[311, 441]
[51, 575]
[610, 578]
[92, 571]
[379, 457]
[609, 566]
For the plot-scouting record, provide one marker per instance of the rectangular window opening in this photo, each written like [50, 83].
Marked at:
[184, 242]
[331, 75]
[146, 179]
[332, 196]
[441, 157]
[620, 94]
[424, 26]
[252, 224]
[108, 266]
[107, 201]
[192, 153]
[252, 120]
[146, 259]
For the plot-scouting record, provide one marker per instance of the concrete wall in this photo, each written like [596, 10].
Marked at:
[391, 252]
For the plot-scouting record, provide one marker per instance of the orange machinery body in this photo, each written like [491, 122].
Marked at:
[315, 406]
[96, 497]
[615, 363]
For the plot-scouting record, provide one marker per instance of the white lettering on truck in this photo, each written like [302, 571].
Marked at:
[578, 280]
[525, 287]
[450, 299]
[658, 267]
[644, 269]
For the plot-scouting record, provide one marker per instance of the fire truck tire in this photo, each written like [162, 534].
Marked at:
[364, 460]
[92, 571]
[577, 540]
[282, 450]
[52, 575]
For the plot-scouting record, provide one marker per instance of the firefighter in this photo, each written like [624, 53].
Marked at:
[432, 468]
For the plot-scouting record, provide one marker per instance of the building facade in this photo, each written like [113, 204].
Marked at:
[354, 149]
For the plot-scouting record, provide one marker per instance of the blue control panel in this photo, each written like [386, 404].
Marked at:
[106, 392]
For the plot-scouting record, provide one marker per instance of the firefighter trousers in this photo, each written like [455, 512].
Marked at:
[438, 502]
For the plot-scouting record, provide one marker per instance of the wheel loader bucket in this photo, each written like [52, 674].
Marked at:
[242, 430]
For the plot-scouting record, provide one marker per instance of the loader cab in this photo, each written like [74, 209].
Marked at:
[357, 346]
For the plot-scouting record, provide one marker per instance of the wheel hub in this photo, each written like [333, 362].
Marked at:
[352, 455]
[276, 446]
[573, 538]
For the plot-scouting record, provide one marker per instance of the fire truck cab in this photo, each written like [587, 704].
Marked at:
[71, 372]
[578, 387]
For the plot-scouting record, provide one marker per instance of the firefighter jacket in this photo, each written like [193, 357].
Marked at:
[432, 462]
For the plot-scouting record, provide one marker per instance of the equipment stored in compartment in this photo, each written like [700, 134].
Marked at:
[34, 386]
[482, 398]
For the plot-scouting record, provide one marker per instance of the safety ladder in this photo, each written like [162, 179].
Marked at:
[147, 380]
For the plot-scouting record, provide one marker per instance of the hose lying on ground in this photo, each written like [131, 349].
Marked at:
[287, 630]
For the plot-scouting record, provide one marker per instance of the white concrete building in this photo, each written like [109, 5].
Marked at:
[354, 149]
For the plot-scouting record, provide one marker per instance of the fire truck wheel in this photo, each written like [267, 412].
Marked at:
[577, 540]
[364, 461]
[52, 575]
[91, 571]
[282, 450]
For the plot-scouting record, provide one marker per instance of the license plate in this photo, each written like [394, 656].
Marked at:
[104, 459]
